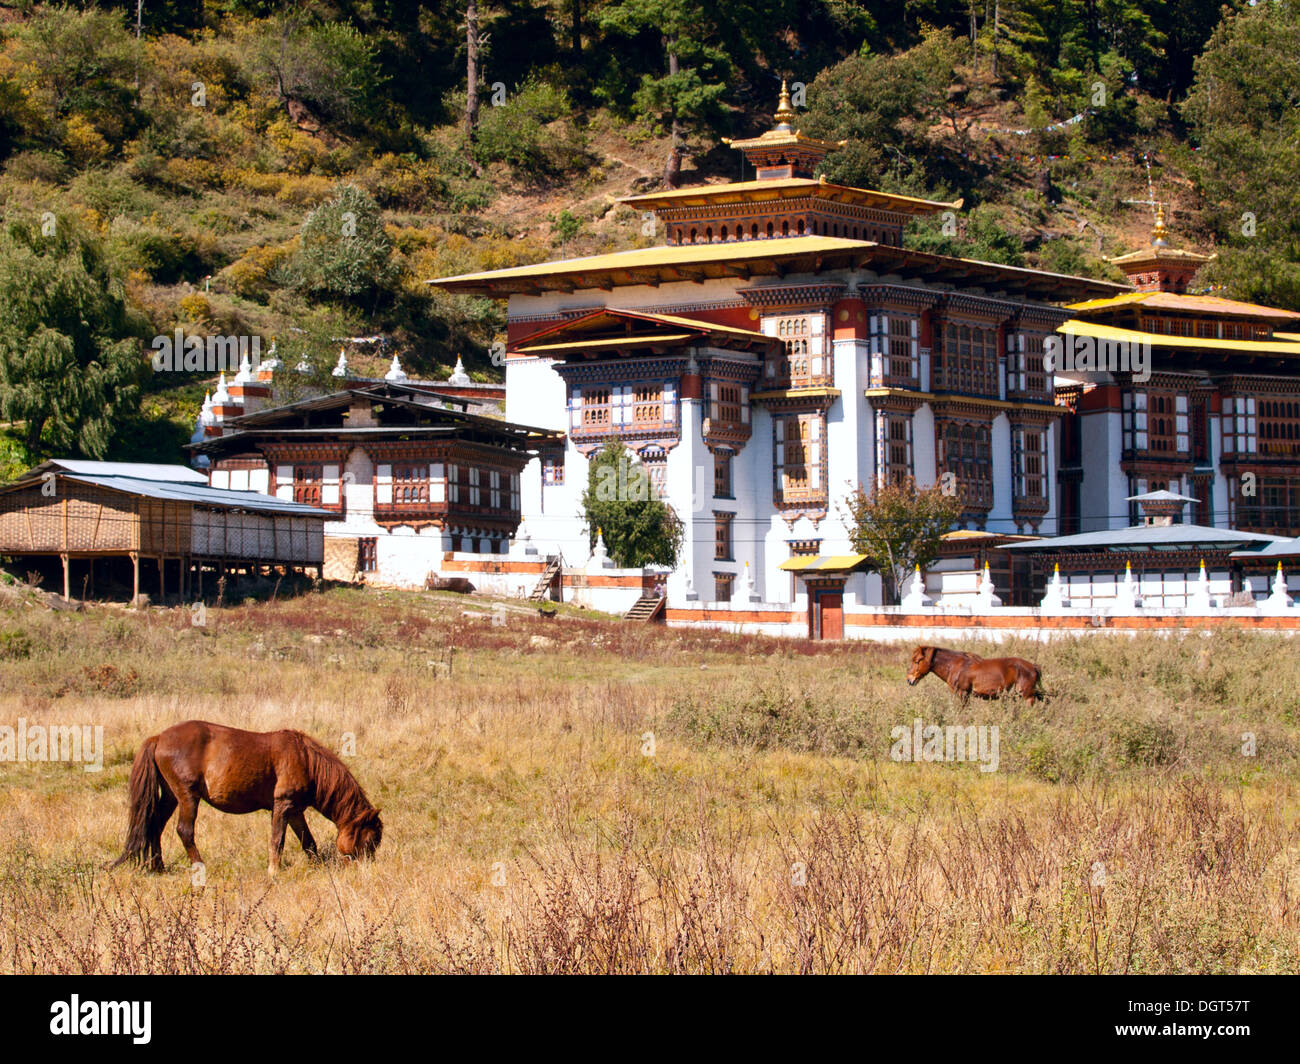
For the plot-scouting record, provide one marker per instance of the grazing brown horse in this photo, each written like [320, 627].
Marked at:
[969, 674]
[237, 771]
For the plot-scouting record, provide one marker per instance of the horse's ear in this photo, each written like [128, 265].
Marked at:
[929, 655]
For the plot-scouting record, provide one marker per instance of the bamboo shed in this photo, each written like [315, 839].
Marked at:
[88, 510]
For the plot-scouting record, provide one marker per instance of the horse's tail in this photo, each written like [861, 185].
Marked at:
[145, 820]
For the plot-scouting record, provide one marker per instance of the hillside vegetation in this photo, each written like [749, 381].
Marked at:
[298, 170]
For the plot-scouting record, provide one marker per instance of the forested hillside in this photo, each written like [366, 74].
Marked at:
[297, 170]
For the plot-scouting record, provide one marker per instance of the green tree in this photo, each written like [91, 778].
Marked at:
[71, 359]
[621, 504]
[1242, 109]
[316, 69]
[343, 251]
[72, 64]
[693, 80]
[899, 526]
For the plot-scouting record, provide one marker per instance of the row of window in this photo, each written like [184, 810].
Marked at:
[757, 231]
[404, 485]
[608, 408]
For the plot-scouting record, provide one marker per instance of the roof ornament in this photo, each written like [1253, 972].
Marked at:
[395, 371]
[785, 111]
[1159, 234]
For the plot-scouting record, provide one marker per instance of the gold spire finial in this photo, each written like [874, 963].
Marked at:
[784, 109]
[1159, 233]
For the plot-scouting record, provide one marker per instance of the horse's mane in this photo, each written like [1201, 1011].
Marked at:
[338, 794]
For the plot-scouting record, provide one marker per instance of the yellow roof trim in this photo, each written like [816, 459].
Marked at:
[667, 255]
[1179, 301]
[789, 187]
[1075, 327]
[617, 341]
[797, 393]
[941, 398]
[836, 563]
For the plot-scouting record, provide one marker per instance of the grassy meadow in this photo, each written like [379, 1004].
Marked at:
[578, 794]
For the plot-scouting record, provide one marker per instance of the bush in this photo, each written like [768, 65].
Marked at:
[532, 132]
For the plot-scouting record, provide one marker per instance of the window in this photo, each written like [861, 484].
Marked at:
[1239, 425]
[803, 359]
[307, 483]
[475, 492]
[893, 446]
[1168, 424]
[410, 483]
[728, 403]
[722, 474]
[453, 483]
[553, 469]
[494, 489]
[367, 552]
[647, 404]
[722, 536]
[1025, 371]
[968, 360]
[1031, 465]
[895, 350]
[798, 457]
[722, 586]
[1279, 427]
[966, 451]
[514, 493]
[595, 408]
[1134, 421]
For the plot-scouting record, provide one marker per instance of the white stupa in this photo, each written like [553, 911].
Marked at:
[395, 371]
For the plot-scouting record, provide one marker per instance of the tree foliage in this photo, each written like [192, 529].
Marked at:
[343, 252]
[70, 356]
[620, 503]
[899, 526]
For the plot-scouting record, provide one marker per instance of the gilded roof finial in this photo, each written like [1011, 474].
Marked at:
[784, 109]
[1159, 232]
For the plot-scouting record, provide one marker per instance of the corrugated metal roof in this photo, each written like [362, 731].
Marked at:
[174, 474]
[201, 495]
[1279, 548]
[1146, 537]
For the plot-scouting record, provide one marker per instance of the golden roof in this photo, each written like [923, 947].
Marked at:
[1182, 302]
[1076, 327]
[787, 188]
[744, 259]
[783, 134]
[574, 334]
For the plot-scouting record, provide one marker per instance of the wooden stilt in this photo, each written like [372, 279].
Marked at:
[162, 582]
[135, 583]
[67, 578]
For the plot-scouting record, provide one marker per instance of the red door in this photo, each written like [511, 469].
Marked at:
[826, 614]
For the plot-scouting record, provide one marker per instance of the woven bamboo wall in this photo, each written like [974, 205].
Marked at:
[165, 527]
[258, 537]
[76, 517]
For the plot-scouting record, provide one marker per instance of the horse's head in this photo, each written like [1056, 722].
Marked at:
[922, 661]
[361, 837]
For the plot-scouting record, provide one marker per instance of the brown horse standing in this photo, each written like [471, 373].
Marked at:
[237, 771]
[969, 674]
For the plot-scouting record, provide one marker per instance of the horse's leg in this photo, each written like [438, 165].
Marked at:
[299, 824]
[188, 805]
[166, 806]
[279, 821]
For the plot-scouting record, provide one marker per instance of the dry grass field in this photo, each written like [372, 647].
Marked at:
[583, 795]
